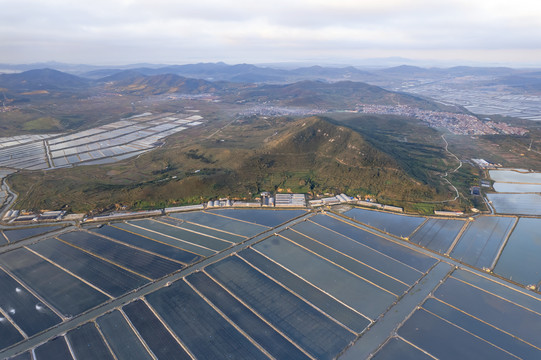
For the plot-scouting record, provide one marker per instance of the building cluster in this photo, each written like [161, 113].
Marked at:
[448, 213]
[269, 110]
[379, 206]
[507, 129]
[219, 203]
[16, 216]
[123, 215]
[7, 108]
[460, 124]
[486, 183]
[290, 200]
[483, 164]
[266, 200]
[333, 200]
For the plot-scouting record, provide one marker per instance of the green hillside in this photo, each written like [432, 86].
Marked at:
[308, 155]
[340, 95]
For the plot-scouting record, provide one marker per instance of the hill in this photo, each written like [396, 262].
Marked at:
[404, 71]
[310, 155]
[135, 83]
[124, 75]
[323, 157]
[308, 93]
[525, 81]
[248, 73]
[42, 79]
[49, 100]
[341, 95]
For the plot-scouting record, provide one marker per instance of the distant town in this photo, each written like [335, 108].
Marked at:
[459, 124]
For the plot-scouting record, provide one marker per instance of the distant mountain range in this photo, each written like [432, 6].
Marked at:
[308, 155]
[342, 94]
[245, 73]
[267, 73]
[530, 81]
[316, 87]
[316, 94]
[255, 74]
[42, 79]
[136, 83]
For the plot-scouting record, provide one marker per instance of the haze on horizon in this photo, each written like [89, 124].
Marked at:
[491, 32]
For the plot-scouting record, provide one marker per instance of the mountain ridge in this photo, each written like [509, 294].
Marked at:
[42, 79]
[308, 155]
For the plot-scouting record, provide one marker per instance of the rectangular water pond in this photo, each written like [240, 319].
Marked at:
[329, 305]
[407, 256]
[147, 244]
[274, 343]
[10, 334]
[149, 228]
[193, 319]
[360, 252]
[66, 293]
[56, 348]
[156, 336]
[499, 312]
[399, 225]
[516, 188]
[480, 243]
[25, 233]
[516, 176]
[523, 204]
[27, 311]
[303, 324]
[121, 338]
[87, 343]
[501, 288]
[438, 234]
[397, 348]
[366, 272]
[110, 278]
[221, 223]
[369, 299]
[191, 228]
[141, 262]
[446, 341]
[270, 218]
[482, 329]
[520, 258]
[23, 356]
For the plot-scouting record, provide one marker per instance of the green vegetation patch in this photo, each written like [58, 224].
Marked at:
[45, 124]
[308, 155]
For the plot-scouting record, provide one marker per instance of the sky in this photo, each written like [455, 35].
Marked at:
[114, 32]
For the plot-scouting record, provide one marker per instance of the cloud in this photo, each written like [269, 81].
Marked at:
[248, 31]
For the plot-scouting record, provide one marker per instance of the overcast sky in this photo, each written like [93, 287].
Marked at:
[108, 32]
